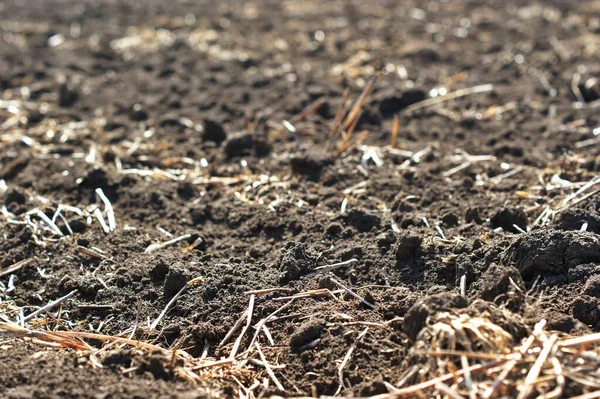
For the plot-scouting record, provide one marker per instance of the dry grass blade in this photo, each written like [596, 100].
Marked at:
[90, 252]
[581, 341]
[172, 301]
[417, 388]
[395, 128]
[534, 372]
[338, 118]
[269, 368]
[73, 339]
[347, 359]
[352, 115]
[17, 266]
[157, 246]
[56, 337]
[49, 306]
[249, 313]
[440, 386]
[348, 125]
[315, 105]
[450, 96]
[354, 294]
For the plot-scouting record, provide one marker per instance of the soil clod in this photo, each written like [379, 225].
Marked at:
[552, 252]
[307, 332]
[295, 261]
[407, 246]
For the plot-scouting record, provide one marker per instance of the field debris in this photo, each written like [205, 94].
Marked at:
[320, 199]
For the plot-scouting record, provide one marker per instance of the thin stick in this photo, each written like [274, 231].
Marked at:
[560, 381]
[50, 223]
[457, 169]
[98, 214]
[432, 382]
[580, 341]
[347, 358]
[407, 376]
[355, 295]
[308, 294]
[537, 366]
[315, 105]
[50, 305]
[217, 363]
[55, 338]
[338, 119]
[233, 329]
[464, 362]
[258, 326]
[336, 265]
[512, 363]
[249, 314]
[110, 213]
[360, 101]
[579, 200]
[450, 96]
[267, 291]
[172, 301]
[17, 266]
[90, 252]
[269, 369]
[154, 247]
[440, 386]
[395, 128]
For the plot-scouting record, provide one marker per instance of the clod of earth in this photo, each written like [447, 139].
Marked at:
[552, 252]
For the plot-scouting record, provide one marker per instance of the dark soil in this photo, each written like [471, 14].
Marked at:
[194, 94]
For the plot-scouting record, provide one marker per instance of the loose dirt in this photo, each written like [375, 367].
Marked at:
[189, 119]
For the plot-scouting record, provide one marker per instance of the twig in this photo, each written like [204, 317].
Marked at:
[355, 295]
[450, 96]
[172, 301]
[269, 369]
[267, 291]
[347, 358]
[395, 128]
[580, 341]
[49, 222]
[336, 265]
[249, 314]
[497, 179]
[359, 102]
[216, 363]
[50, 305]
[17, 266]
[258, 326]
[464, 362]
[233, 329]
[578, 201]
[157, 246]
[110, 213]
[90, 252]
[432, 382]
[457, 169]
[440, 386]
[537, 367]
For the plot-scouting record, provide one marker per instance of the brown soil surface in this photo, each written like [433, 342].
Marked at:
[174, 110]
